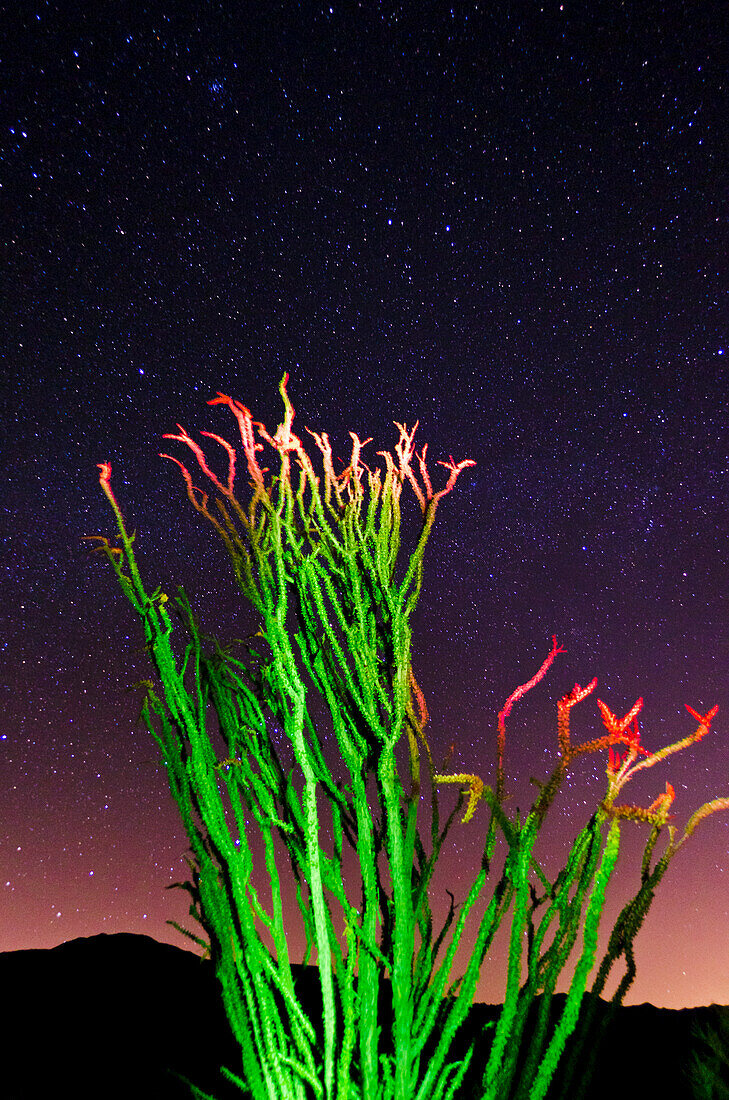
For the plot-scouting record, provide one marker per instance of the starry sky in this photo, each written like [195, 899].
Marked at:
[506, 221]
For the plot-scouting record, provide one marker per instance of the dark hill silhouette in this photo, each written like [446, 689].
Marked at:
[115, 1016]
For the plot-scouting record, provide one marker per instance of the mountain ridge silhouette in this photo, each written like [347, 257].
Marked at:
[122, 1015]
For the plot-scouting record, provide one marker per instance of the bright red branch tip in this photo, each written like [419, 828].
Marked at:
[524, 688]
[615, 725]
[577, 694]
[707, 719]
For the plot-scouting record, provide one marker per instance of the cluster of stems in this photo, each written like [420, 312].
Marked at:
[318, 557]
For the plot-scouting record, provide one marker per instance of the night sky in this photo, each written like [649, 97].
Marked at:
[505, 220]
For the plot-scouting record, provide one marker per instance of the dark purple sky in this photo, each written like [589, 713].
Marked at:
[506, 221]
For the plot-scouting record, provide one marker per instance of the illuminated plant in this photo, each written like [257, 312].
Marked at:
[708, 1068]
[318, 557]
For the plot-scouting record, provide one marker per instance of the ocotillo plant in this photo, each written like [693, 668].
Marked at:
[708, 1069]
[318, 557]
